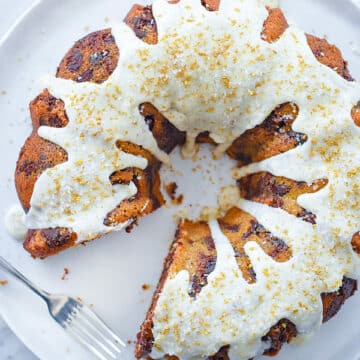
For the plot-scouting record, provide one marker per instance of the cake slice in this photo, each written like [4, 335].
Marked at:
[193, 250]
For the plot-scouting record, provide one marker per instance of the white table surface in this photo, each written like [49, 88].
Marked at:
[10, 346]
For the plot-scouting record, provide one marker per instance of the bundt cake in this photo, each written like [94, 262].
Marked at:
[234, 74]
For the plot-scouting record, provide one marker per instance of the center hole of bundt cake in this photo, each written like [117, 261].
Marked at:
[195, 186]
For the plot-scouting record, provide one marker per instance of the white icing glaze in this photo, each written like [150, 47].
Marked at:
[212, 71]
[229, 311]
[15, 222]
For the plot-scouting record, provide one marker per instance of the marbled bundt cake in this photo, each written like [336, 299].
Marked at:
[279, 262]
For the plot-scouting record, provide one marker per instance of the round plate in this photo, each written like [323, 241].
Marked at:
[109, 273]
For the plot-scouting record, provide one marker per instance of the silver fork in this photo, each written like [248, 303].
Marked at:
[77, 319]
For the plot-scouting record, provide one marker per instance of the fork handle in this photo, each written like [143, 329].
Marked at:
[15, 273]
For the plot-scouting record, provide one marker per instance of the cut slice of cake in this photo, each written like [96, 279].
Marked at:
[194, 252]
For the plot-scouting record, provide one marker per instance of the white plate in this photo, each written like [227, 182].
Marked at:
[109, 273]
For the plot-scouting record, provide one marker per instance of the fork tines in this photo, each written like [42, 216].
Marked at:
[92, 333]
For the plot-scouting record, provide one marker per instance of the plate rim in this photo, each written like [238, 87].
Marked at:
[8, 33]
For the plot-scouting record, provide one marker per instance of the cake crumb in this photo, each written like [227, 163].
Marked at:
[3, 282]
[146, 287]
[131, 226]
[179, 200]
[228, 197]
[171, 191]
[207, 213]
[181, 214]
[66, 272]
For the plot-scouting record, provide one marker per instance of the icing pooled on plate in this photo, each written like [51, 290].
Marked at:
[15, 222]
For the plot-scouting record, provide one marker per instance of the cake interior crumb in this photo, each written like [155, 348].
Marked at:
[171, 191]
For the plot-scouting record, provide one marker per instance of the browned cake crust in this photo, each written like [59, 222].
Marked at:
[279, 192]
[94, 58]
[240, 227]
